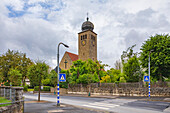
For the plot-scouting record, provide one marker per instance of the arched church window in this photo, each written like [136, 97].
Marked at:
[65, 64]
[85, 36]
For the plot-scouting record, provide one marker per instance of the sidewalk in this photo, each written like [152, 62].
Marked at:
[33, 106]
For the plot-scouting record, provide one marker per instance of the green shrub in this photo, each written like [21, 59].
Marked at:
[45, 88]
[26, 88]
[64, 85]
[36, 88]
[30, 89]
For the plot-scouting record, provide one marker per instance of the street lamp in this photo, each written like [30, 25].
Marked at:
[149, 71]
[58, 94]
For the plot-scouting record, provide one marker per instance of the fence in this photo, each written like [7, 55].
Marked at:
[15, 94]
[122, 89]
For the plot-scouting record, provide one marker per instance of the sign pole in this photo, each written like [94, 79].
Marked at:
[149, 75]
[58, 85]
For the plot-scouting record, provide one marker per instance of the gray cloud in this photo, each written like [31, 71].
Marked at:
[119, 25]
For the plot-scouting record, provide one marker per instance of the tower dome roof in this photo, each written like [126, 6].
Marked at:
[87, 25]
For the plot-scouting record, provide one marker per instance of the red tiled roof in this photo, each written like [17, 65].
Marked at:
[73, 57]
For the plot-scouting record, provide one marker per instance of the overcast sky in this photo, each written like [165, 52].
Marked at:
[35, 27]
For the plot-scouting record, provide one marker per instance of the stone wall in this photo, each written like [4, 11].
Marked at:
[122, 89]
[62, 90]
[15, 94]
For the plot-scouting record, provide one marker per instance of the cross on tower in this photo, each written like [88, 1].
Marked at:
[87, 16]
[65, 64]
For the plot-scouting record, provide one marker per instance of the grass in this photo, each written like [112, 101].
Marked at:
[3, 100]
[30, 89]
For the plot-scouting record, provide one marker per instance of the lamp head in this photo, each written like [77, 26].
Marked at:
[66, 45]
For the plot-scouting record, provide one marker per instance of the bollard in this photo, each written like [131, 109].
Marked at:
[89, 94]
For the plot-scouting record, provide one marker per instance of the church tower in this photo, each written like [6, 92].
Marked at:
[87, 42]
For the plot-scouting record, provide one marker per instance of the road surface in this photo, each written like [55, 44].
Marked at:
[118, 105]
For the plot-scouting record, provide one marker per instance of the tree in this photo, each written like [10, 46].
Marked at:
[25, 63]
[131, 69]
[85, 79]
[118, 65]
[160, 56]
[14, 60]
[79, 67]
[46, 82]
[1, 77]
[37, 73]
[53, 78]
[128, 54]
[15, 77]
[116, 76]
[11, 59]
[131, 65]
[85, 69]
[106, 79]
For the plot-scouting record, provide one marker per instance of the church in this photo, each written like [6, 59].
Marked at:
[87, 46]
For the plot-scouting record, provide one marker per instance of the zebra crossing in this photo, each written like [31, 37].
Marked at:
[105, 105]
[101, 105]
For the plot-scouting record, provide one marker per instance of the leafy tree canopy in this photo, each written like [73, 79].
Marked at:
[37, 72]
[132, 70]
[14, 60]
[92, 71]
[131, 65]
[15, 76]
[159, 45]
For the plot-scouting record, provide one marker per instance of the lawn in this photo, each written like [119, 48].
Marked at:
[3, 100]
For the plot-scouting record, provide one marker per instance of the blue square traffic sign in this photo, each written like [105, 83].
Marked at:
[146, 78]
[62, 77]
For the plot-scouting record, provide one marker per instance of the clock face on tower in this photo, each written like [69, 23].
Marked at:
[83, 42]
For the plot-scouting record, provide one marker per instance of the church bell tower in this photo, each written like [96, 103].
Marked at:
[87, 42]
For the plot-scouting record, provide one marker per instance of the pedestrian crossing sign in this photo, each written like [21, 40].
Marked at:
[146, 78]
[62, 77]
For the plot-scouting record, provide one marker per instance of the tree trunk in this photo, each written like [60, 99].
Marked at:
[98, 75]
[39, 91]
[23, 82]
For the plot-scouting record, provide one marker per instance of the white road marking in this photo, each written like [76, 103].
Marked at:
[96, 107]
[104, 104]
[101, 105]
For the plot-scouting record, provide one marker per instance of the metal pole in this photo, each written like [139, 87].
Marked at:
[149, 74]
[58, 85]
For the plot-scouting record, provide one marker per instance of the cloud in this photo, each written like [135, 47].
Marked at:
[37, 26]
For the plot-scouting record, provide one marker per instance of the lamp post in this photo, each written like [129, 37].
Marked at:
[58, 94]
[149, 72]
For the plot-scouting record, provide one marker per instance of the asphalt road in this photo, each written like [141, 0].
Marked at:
[118, 105]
